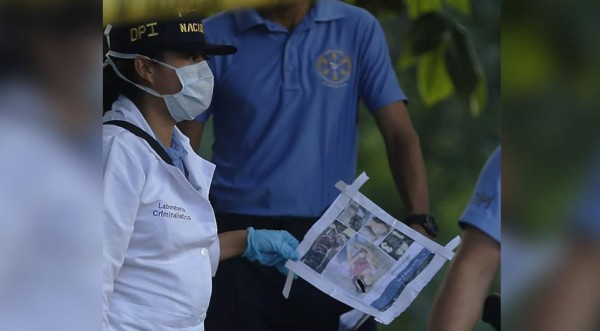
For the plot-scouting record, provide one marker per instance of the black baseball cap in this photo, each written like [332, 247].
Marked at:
[182, 34]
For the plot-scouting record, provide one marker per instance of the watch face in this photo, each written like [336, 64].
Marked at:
[430, 220]
[433, 221]
[430, 224]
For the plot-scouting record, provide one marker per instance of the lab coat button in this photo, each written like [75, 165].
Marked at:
[203, 251]
[202, 317]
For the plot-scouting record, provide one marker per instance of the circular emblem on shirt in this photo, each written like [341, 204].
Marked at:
[334, 67]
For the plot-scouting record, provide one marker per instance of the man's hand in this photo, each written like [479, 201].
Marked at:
[421, 230]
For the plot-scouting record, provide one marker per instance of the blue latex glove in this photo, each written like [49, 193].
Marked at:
[271, 248]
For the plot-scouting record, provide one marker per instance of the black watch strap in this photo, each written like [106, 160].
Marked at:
[427, 221]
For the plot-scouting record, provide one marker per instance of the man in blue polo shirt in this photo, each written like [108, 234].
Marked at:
[285, 111]
[474, 267]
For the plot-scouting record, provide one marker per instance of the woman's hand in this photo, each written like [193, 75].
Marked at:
[271, 248]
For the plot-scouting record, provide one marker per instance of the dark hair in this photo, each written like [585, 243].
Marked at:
[113, 85]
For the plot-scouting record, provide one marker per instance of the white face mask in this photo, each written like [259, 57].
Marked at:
[197, 83]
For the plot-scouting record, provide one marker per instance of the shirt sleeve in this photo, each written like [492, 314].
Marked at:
[483, 211]
[123, 182]
[378, 84]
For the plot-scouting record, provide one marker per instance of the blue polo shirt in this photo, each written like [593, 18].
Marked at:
[484, 209]
[285, 106]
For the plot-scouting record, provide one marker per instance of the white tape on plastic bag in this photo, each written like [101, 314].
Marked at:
[360, 255]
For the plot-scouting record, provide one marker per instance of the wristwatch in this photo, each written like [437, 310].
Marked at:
[427, 221]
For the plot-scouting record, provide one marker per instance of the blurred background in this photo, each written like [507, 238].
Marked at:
[50, 174]
[551, 197]
[450, 56]
[447, 58]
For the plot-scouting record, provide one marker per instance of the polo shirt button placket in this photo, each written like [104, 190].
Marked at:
[290, 75]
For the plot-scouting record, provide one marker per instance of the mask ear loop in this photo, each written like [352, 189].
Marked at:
[146, 89]
[133, 56]
[107, 34]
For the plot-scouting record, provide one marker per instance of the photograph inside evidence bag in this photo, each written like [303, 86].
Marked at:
[360, 255]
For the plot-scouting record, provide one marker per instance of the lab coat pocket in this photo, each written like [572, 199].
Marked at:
[127, 316]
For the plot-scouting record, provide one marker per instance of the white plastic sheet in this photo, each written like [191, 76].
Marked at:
[360, 255]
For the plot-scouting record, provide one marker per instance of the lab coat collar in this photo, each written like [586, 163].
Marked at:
[124, 109]
[200, 170]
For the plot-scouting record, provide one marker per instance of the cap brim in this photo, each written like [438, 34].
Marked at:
[213, 49]
[205, 48]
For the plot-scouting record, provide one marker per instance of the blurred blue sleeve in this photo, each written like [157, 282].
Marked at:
[484, 209]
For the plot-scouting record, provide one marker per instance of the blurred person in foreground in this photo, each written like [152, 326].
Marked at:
[459, 302]
[569, 295]
[160, 244]
[50, 241]
[286, 130]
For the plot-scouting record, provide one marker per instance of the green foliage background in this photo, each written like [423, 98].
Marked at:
[456, 139]
[455, 143]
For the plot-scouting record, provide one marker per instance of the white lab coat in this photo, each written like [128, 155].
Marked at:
[160, 236]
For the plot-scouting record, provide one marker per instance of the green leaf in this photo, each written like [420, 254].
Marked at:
[461, 62]
[418, 7]
[427, 31]
[464, 6]
[433, 81]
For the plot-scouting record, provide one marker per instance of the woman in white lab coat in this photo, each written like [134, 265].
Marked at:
[161, 246]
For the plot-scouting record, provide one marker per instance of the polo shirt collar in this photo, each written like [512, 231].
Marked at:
[322, 11]
[247, 19]
[327, 10]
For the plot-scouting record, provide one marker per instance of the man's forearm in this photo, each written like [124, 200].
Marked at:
[461, 298]
[408, 169]
[405, 158]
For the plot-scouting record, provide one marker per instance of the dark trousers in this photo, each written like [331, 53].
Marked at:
[247, 296]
